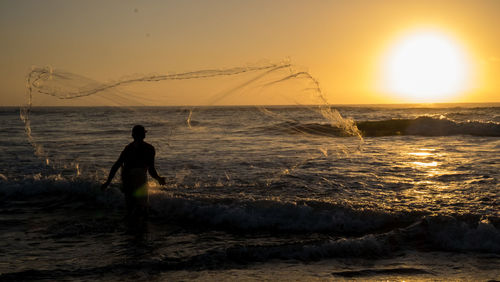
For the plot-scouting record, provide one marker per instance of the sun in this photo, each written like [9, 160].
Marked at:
[426, 66]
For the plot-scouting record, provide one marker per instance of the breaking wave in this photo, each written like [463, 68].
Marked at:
[353, 232]
[421, 126]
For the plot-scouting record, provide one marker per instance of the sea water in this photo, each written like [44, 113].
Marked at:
[253, 197]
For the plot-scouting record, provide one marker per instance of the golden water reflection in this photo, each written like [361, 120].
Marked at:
[420, 154]
[424, 153]
[422, 164]
[424, 159]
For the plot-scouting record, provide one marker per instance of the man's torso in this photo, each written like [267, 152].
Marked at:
[137, 158]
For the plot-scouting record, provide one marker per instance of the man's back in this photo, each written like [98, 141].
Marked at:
[138, 154]
[137, 158]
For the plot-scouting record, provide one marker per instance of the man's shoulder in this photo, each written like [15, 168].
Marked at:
[128, 146]
[141, 146]
[148, 146]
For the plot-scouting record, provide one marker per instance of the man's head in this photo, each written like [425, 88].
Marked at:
[139, 132]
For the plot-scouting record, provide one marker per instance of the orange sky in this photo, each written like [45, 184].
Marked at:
[341, 43]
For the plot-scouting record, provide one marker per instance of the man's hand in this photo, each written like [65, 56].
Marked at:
[162, 181]
[104, 185]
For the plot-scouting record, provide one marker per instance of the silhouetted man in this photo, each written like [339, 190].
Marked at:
[136, 160]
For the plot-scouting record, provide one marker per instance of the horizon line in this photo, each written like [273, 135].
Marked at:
[261, 105]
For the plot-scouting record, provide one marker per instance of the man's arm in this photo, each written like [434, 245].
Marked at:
[152, 170]
[113, 171]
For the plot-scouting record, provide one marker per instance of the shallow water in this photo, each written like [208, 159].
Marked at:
[255, 194]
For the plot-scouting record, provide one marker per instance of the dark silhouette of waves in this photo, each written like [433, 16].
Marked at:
[356, 232]
[420, 126]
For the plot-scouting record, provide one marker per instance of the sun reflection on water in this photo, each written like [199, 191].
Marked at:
[426, 161]
[424, 152]
[422, 164]
[420, 154]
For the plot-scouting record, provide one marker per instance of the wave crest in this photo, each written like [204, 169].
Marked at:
[356, 232]
[421, 126]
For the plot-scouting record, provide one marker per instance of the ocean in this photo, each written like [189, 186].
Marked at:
[255, 193]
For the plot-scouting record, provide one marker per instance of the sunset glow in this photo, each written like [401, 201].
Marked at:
[250, 140]
[426, 66]
[360, 51]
